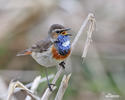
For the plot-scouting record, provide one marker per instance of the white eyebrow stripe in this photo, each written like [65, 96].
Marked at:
[57, 30]
[65, 44]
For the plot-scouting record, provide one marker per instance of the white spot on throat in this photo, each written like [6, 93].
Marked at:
[65, 44]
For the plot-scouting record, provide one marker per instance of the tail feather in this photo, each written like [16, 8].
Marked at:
[24, 52]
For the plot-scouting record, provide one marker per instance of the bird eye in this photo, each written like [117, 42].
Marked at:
[57, 31]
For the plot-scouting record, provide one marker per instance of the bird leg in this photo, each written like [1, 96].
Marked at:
[49, 84]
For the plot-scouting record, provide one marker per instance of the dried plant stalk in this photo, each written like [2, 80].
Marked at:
[89, 35]
[30, 84]
[89, 18]
[18, 84]
[34, 86]
[63, 87]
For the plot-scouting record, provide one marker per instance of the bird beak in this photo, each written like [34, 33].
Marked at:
[67, 29]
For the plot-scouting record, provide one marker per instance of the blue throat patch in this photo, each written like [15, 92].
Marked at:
[63, 44]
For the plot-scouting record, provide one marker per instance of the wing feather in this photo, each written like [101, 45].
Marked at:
[39, 46]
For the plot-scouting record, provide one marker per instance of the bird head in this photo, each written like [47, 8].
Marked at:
[57, 30]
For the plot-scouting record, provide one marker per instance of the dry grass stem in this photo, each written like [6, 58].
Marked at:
[89, 35]
[30, 84]
[18, 84]
[63, 87]
[34, 86]
[81, 30]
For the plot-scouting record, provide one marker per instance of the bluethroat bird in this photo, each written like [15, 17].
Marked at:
[53, 50]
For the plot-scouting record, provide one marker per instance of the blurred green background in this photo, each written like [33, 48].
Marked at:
[23, 22]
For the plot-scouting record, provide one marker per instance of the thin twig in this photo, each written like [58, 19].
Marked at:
[30, 84]
[89, 36]
[27, 85]
[81, 30]
[18, 84]
[63, 87]
[34, 86]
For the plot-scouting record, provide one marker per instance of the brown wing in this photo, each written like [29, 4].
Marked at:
[40, 46]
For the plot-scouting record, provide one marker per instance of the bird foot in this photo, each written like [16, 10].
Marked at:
[62, 64]
[50, 86]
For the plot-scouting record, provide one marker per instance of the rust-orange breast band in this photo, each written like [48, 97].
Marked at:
[57, 56]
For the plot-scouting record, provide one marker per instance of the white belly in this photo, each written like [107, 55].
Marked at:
[45, 59]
